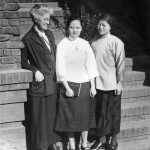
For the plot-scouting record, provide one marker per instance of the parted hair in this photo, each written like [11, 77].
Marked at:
[39, 10]
[107, 17]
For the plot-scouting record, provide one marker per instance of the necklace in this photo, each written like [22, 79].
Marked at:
[74, 44]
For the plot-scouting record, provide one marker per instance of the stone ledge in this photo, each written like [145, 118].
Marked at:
[12, 112]
[14, 87]
[13, 97]
[142, 144]
[134, 129]
[135, 91]
[15, 76]
[13, 138]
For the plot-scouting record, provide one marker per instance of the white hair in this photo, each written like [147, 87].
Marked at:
[39, 10]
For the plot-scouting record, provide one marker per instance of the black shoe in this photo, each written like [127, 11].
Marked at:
[85, 148]
[98, 146]
[113, 146]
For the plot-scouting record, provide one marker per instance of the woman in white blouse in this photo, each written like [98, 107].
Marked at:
[110, 58]
[75, 62]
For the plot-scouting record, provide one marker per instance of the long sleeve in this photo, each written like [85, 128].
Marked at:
[61, 70]
[25, 59]
[90, 63]
[120, 61]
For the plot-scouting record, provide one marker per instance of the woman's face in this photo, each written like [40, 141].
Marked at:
[103, 27]
[43, 22]
[75, 29]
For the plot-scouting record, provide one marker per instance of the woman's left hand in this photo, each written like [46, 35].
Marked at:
[118, 89]
[92, 92]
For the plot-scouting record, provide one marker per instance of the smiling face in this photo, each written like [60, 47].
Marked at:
[43, 22]
[74, 29]
[103, 27]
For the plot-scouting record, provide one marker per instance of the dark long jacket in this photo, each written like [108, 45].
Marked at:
[36, 56]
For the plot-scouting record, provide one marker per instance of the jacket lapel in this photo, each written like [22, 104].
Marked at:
[35, 37]
[52, 45]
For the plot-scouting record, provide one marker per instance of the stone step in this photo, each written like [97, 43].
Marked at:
[25, 12]
[137, 62]
[135, 92]
[135, 145]
[12, 136]
[135, 112]
[30, 5]
[134, 78]
[135, 130]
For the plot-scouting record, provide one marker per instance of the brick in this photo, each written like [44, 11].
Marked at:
[2, 45]
[1, 52]
[24, 14]
[8, 60]
[25, 28]
[12, 44]
[14, 22]
[9, 78]
[11, 112]
[10, 15]
[12, 6]
[13, 97]
[3, 6]
[23, 77]
[1, 15]
[16, 52]
[128, 133]
[3, 79]
[4, 22]
[137, 131]
[14, 87]
[16, 77]
[16, 66]
[4, 37]
[18, 59]
[7, 52]
[133, 132]
[11, 30]
[15, 38]
[29, 76]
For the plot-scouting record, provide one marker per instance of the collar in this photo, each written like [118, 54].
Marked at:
[105, 36]
[72, 39]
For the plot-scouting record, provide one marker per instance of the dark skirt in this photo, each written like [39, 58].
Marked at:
[107, 113]
[42, 113]
[76, 114]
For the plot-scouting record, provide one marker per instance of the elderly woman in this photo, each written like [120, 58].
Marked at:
[38, 56]
[110, 58]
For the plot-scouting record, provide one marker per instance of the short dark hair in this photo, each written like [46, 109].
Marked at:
[107, 17]
[72, 18]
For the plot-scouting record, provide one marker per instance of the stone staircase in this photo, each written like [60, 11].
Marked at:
[135, 113]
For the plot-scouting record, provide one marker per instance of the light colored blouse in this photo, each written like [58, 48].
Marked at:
[75, 61]
[110, 58]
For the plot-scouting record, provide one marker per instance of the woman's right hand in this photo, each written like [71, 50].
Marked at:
[39, 76]
[69, 92]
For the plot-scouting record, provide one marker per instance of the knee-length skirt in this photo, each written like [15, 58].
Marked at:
[107, 113]
[75, 114]
[42, 113]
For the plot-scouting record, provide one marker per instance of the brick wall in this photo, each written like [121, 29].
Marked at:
[14, 81]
